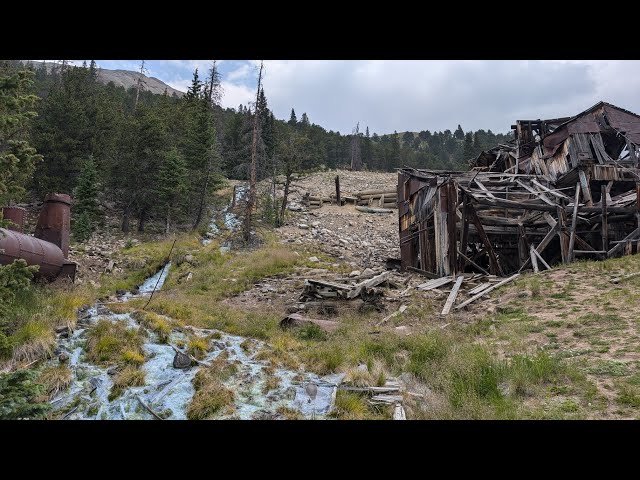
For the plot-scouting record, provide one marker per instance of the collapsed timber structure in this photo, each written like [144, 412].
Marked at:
[565, 188]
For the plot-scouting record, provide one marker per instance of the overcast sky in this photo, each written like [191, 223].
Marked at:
[415, 95]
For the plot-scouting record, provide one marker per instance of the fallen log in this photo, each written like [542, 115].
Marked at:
[296, 320]
[371, 390]
[386, 399]
[625, 277]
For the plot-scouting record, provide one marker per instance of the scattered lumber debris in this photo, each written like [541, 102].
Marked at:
[484, 292]
[297, 320]
[564, 188]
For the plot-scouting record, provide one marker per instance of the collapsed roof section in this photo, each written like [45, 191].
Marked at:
[568, 187]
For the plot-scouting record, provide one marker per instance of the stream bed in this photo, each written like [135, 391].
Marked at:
[260, 391]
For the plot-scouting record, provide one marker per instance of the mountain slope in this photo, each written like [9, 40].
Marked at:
[124, 78]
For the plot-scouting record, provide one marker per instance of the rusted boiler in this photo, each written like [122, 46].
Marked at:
[49, 247]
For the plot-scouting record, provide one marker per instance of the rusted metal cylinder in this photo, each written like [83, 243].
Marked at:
[54, 221]
[49, 257]
[16, 216]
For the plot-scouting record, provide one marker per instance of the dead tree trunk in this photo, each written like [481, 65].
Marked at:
[251, 201]
[287, 183]
[138, 86]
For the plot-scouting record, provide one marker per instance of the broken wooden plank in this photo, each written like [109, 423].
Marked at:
[477, 296]
[604, 224]
[535, 252]
[435, 283]
[148, 408]
[586, 191]
[555, 193]
[297, 320]
[372, 282]
[452, 296]
[322, 283]
[371, 390]
[622, 243]
[387, 399]
[534, 260]
[400, 311]
[423, 272]
[480, 288]
[540, 195]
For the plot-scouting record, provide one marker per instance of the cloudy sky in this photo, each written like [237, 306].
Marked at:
[415, 95]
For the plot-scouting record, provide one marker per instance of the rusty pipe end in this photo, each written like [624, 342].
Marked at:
[16, 216]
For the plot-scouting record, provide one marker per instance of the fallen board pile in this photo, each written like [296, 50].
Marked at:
[384, 199]
[378, 198]
[476, 286]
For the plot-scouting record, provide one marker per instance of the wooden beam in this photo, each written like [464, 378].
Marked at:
[493, 260]
[620, 246]
[338, 201]
[464, 236]
[534, 260]
[468, 260]
[555, 193]
[484, 292]
[586, 191]
[452, 296]
[538, 194]
[574, 220]
[483, 188]
[423, 272]
[545, 241]
[540, 258]
[605, 223]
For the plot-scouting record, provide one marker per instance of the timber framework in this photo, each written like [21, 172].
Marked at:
[565, 188]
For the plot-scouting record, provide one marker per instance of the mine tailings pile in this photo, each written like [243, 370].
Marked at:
[49, 247]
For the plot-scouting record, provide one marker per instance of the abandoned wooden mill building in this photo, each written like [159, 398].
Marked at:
[566, 188]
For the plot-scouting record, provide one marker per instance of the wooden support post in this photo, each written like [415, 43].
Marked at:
[574, 220]
[561, 234]
[495, 267]
[534, 260]
[464, 237]
[638, 204]
[620, 245]
[452, 296]
[586, 191]
[605, 224]
[540, 258]
[452, 220]
[338, 190]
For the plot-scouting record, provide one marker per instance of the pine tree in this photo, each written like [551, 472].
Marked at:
[459, 133]
[85, 206]
[17, 157]
[468, 152]
[172, 184]
[304, 121]
[293, 120]
[195, 89]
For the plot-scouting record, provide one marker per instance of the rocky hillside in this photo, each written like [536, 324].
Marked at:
[127, 79]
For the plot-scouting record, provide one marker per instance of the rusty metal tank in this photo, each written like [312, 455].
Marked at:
[54, 221]
[49, 247]
[14, 245]
[16, 216]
